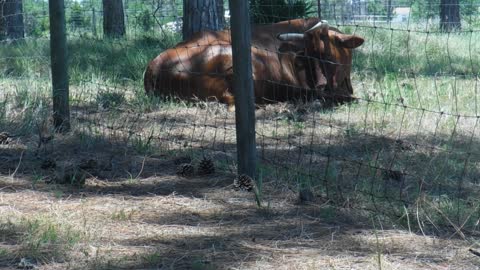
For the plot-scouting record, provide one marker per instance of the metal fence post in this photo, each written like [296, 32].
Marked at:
[243, 87]
[94, 22]
[319, 9]
[59, 58]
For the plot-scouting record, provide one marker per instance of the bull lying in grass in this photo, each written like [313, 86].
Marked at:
[296, 59]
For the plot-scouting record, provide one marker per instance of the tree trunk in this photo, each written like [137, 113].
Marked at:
[59, 63]
[450, 15]
[13, 19]
[201, 15]
[242, 88]
[389, 10]
[319, 9]
[113, 18]
[2, 21]
[221, 14]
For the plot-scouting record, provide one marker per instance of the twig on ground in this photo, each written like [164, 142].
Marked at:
[18, 166]
[141, 169]
[474, 252]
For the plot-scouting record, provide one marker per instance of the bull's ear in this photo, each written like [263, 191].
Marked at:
[290, 36]
[349, 41]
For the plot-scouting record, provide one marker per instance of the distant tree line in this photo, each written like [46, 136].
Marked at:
[11, 19]
[19, 18]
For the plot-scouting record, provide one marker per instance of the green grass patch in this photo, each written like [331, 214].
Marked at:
[417, 87]
[39, 239]
[44, 239]
[400, 51]
[112, 60]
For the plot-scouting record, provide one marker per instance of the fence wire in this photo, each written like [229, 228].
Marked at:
[407, 149]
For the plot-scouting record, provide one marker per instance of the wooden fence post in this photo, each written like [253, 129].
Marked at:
[59, 58]
[94, 22]
[319, 9]
[243, 87]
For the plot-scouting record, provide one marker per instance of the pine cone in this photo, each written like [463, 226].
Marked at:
[182, 160]
[186, 170]
[4, 138]
[48, 164]
[87, 164]
[402, 145]
[306, 195]
[70, 174]
[206, 167]
[244, 182]
[397, 176]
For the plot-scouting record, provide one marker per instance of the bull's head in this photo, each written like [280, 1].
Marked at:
[329, 57]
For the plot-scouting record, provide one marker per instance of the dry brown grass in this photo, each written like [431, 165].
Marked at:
[134, 213]
[217, 229]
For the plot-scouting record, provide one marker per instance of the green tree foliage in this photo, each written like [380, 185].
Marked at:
[377, 7]
[427, 9]
[331, 9]
[271, 11]
[145, 20]
[77, 18]
[36, 17]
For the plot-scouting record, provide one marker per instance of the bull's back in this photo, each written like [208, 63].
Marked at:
[202, 66]
[190, 70]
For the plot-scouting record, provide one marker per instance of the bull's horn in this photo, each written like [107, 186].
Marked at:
[290, 36]
[322, 24]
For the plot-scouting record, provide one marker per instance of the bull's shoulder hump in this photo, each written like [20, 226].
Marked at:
[204, 38]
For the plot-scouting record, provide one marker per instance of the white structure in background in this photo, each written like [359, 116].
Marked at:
[176, 26]
[400, 14]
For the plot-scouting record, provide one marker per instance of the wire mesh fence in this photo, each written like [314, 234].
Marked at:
[406, 149]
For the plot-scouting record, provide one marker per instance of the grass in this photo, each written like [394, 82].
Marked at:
[40, 239]
[417, 53]
[115, 61]
[122, 215]
[45, 240]
[405, 153]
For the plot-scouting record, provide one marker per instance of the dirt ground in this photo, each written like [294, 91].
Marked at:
[135, 212]
[172, 222]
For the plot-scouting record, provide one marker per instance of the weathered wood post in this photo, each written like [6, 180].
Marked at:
[319, 9]
[59, 58]
[243, 87]
[94, 22]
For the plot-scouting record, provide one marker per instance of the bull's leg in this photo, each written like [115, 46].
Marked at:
[349, 87]
[302, 77]
[344, 92]
[228, 99]
[348, 81]
[319, 80]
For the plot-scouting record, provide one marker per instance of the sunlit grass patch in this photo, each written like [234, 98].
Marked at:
[40, 238]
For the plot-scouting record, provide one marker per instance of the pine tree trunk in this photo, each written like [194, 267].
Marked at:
[319, 9]
[221, 14]
[389, 10]
[201, 15]
[450, 15]
[13, 19]
[113, 18]
[2, 21]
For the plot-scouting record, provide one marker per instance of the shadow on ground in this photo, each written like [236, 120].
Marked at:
[355, 181]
